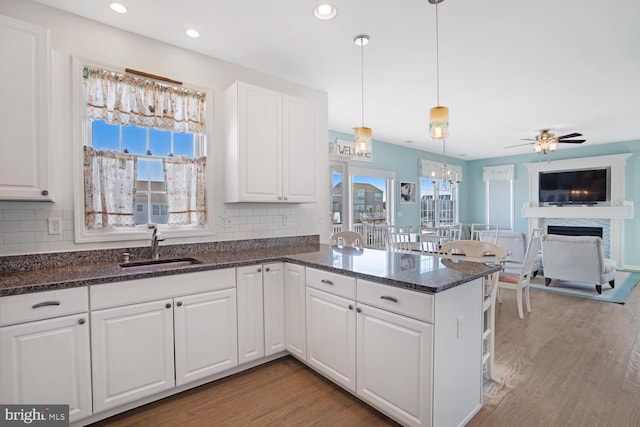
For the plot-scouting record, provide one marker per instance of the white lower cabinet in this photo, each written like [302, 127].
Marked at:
[261, 312]
[394, 359]
[295, 318]
[274, 308]
[140, 347]
[45, 350]
[331, 337]
[132, 352]
[47, 362]
[206, 339]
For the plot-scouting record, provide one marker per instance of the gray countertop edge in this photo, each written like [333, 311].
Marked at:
[110, 273]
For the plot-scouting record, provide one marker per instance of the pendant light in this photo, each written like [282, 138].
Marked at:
[362, 135]
[439, 115]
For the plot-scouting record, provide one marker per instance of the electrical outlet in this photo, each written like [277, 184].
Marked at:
[55, 226]
[226, 221]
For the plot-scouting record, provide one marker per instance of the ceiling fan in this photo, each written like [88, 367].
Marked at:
[546, 141]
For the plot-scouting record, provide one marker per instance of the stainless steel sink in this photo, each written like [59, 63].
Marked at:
[159, 264]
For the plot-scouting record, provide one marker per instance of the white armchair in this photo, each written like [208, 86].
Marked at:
[578, 259]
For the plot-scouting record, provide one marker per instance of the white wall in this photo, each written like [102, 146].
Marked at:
[23, 225]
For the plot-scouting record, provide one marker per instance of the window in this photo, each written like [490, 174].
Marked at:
[437, 205]
[149, 147]
[499, 195]
[144, 157]
[438, 202]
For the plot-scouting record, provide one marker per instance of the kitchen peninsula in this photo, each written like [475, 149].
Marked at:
[400, 331]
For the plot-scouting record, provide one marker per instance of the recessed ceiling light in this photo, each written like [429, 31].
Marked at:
[193, 33]
[325, 12]
[118, 8]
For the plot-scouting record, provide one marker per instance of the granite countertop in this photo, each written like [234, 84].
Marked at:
[423, 273]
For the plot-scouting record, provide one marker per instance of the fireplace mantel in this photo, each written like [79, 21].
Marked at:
[609, 212]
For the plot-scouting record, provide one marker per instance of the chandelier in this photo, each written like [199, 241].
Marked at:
[448, 179]
[362, 135]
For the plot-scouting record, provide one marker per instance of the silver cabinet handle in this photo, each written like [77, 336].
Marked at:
[350, 307]
[81, 321]
[168, 305]
[392, 299]
[179, 303]
[268, 269]
[44, 192]
[359, 310]
[259, 270]
[326, 281]
[45, 304]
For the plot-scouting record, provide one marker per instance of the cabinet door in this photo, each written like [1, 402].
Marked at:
[295, 320]
[299, 145]
[250, 313]
[331, 337]
[25, 103]
[206, 337]
[274, 314]
[132, 352]
[394, 364]
[47, 361]
[260, 144]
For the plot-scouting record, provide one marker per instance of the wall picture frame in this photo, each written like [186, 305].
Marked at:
[408, 192]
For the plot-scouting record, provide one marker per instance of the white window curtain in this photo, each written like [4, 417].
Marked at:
[125, 99]
[185, 179]
[109, 182]
[433, 170]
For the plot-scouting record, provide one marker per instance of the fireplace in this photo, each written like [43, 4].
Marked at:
[567, 230]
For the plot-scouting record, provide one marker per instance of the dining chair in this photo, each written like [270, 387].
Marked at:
[481, 251]
[486, 232]
[519, 275]
[347, 238]
[399, 238]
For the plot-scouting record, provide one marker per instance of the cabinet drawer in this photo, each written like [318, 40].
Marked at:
[398, 300]
[333, 283]
[156, 288]
[42, 305]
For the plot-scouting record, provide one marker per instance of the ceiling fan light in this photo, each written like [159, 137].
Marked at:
[439, 122]
[362, 138]
[538, 148]
[552, 146]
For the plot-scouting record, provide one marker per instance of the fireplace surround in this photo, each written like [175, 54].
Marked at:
[610, 217]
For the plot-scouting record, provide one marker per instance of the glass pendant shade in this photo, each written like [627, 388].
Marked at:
[362, 138]
[439, 122]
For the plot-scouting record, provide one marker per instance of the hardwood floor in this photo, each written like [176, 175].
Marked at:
[571, 362]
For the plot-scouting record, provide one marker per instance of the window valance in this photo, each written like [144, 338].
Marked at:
[499, 173]
[433, 170]
[125, 99]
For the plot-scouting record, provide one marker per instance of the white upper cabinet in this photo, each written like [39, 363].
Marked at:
[25, 110]
[271, 141]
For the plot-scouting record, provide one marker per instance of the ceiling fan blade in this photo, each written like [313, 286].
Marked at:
[527, 139]
[570, 135]
[520, 145]
[573, 141]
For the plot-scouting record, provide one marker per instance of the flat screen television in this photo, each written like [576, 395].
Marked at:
[587, 186]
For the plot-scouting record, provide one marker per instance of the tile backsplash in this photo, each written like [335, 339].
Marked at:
[24, 229]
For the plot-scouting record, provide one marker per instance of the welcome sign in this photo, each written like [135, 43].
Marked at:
[346, 150]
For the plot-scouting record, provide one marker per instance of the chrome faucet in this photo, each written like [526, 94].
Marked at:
[156, 237]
